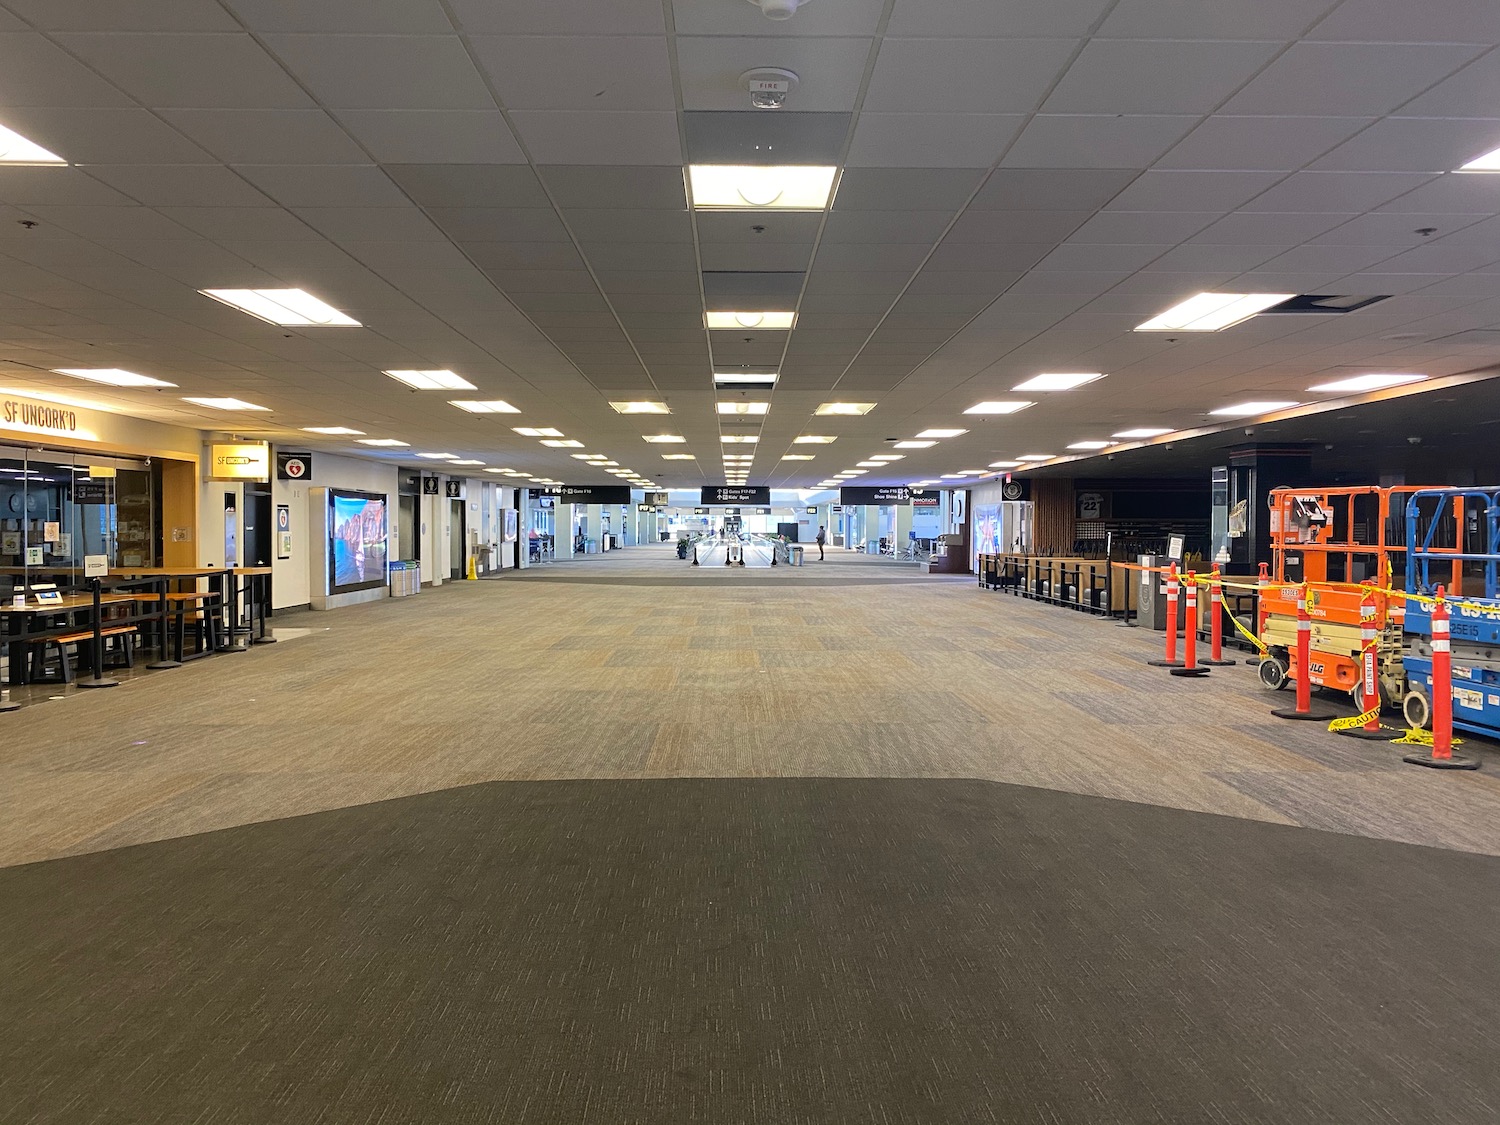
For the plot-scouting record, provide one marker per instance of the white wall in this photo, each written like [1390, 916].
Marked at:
[292, 580]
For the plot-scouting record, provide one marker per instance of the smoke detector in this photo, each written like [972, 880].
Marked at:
[779, 9]
[768, 86]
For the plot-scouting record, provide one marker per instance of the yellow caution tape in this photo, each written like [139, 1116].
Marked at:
[1355, 720]
[1418, 737]
[1259, 644]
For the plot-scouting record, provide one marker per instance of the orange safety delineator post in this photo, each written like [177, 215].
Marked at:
[1216, 625]
[1439, 755]
[1304, 709]
[1190, 665]
[1261, 582]
[1371, 730]
[1171, 660]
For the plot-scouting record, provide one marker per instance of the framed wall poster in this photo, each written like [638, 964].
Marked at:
[510, 525]
[283, 531]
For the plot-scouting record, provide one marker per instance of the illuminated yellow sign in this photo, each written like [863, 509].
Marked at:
[28, 417]
[248, 461]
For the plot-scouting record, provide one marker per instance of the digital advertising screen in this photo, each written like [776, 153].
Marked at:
[357, 540]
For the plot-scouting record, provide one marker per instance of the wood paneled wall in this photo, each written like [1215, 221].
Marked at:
[1053, 513]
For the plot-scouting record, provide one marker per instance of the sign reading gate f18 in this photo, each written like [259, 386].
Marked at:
[877, 494]
[728, 494]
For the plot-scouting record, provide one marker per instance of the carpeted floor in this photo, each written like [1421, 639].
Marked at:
[804, 952]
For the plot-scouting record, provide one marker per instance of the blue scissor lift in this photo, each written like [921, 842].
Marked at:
[1453, 539]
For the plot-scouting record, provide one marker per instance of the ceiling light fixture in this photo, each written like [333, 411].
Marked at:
[1210, 312]
[442, 380]
[466, 461]
[1489, 162]
[1087, 445]
[1142, 432]
[438, 456]
[555, 443]
[678, 457]
[915, 444]
[112, 376]
[536, 431]
[1036, 456]
[798, 457]
[814, 439]
[847, 409]
[1004, 464]
[1367, 383]
[1246, 409]
[1058, 382]
[756, 320]
[640, 408]
[483, 406]
[664, 439]
[1001, 407]
[768, 187]
[743, 378]
[742, 407]
[385, 443]
[290, 308]
[888, 457]
[332, 431]
[225, 404]
[16, 149]
[941, 433]
[738, 439]
[870, 464]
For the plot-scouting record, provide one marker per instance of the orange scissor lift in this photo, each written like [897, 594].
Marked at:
[1334, 540]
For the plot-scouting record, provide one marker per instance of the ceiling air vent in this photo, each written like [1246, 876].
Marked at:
[1324, 304]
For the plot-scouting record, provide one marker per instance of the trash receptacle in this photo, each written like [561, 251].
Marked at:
[1151, 589]
[794, 554]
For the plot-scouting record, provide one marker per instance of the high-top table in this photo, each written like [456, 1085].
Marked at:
[160, 579]
[18, 623]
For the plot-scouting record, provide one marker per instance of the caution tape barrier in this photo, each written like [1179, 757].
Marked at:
[1419, 737]
[1353, 721]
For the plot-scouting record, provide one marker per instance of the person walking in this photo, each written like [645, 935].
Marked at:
[822, 539]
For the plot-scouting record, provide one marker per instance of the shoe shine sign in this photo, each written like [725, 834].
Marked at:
[753, 496]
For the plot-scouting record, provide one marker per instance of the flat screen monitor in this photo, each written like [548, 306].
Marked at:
[357, 531]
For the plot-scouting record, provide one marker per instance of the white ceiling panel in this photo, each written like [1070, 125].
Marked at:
[965, 75]
[1115, 258]
[1344, 192]
[1192, 191]
[1416, 144]
[1271, 228]
[589, 72]
[865, 189]
[997, 18]
[1039, 189]
[327, 185]
[422, 136]
[123, 15]
[1098, 141]
[1172, 19]
[1473, 92]
[940, 140]
[21, 185]
[155, 185]
[369, 17]
[1142, 226]
[105, 136]
[1452, 21]
[829, 71]
[242, 223]
[559, 17]
[35, 71]
[581, 137]
[264, 136]
[354, 71]
[1186, 76]
[192, 71]
[715, 17]
[1271, 143]
[1348, 79]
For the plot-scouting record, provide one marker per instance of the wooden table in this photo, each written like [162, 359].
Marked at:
[17, 623]
[257, 605]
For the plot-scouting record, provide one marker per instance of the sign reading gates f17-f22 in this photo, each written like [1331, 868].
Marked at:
[728, 494]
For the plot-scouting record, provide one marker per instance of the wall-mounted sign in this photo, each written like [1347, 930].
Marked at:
[1092, 505]
[283, 531]
[294, 466]
[40, 418]
[812, 511]
[1016, 490]
[240, 461]
[645, 507]
[837, 509]
[431, 486]
[924, 500]
[90, 492]
[700, 511]
[455, 489]
[876, 494]
[589, 493]
[728, 494]
[660, 499]
[96, 566]
[762, 511]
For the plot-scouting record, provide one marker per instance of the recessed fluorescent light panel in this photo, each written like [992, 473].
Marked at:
[1004, 464]
[432, 380]
[225, 403]
[1036, 457]
[798, 457]
[743, 407]
[738, 439]
[678, 457]
[849, 409]
[941, 433]
[331, 431]
[640, 408]
[870, 464]
[1366, 383]
[743, 187]
[291, 308]
[1085, 445]
[1142, 432]
[814, 439]
[1000, 407]
[888, 457]
[1057, 382]
[1246, 409]
[664, 439]
[1489, 162]
[385, 443]
[536, 431]
[16, 149]
[1210, 312]
[438, 456]
[753, 320]
[483, 406]
[466, 461]
[742, 380]
[112, 376]
[915, 444]
[554, 443]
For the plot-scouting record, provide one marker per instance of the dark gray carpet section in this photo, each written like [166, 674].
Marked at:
[775, 952]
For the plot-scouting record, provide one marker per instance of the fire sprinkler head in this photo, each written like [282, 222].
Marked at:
[778, 9]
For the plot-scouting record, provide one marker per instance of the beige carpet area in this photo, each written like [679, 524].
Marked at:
[632, 665]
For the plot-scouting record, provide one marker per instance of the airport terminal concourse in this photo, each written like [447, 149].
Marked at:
[753, 562]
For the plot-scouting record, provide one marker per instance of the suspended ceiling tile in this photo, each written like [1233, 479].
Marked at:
[421, 136]
[469, 185]
[1051, 189]
[965, 75]
[981, 18]
[1415, 144]
[1168, 19]
[942, 140]
[730, 290]
[754, 257]
[354, 71]
[264, 136]
[36, 72]
[603, 186]
[368, 17]
[1473, 91]
[543, 281]
[559, 17]
[606, 256]
[713, 17]
[122, 15]
[1016, 226]
[1187, 77]
[649, 281]
[779, 227]
[499, 224]
[1454, 21]
[523, 255]
[621, 224]
[583, 72]
[1101, 141]
[592, 137]
[758, 137]
[1191, 191]
[1336, 191]
[829, 70]
[1348, 79]
[193, 71]
[884, 189]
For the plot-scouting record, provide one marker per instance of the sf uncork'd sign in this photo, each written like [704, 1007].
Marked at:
[40, 418]
[240, 461]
